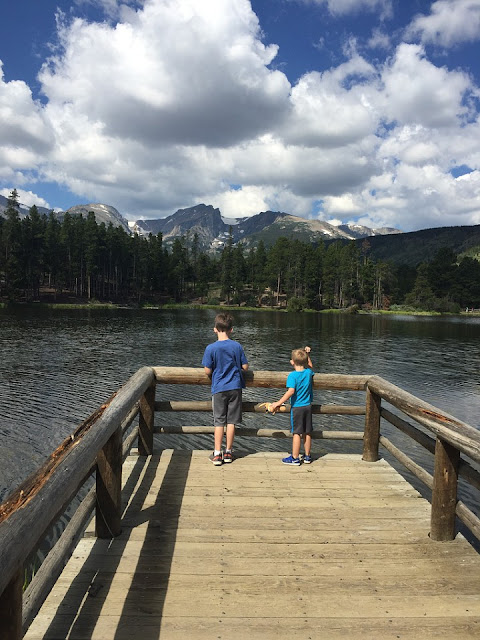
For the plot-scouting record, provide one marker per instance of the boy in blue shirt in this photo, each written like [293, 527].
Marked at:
[224, 361]
[300, 390]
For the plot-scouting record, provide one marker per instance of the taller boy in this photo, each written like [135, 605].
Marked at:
[224, 361]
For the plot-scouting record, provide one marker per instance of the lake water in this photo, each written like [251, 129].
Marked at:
[58, 366]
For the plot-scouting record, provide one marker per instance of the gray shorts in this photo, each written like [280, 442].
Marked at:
[301, 420]
[227, 407]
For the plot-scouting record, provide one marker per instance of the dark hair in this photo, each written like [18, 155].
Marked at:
[223, 322]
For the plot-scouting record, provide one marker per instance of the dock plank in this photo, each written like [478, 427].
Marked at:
[336, 549]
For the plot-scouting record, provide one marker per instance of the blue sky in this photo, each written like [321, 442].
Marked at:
[345, 110]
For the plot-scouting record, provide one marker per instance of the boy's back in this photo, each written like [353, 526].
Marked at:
[224, 361]
[225, 358]
[302, 382]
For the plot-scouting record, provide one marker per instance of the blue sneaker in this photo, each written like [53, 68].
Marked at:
[307, 459]
[291, 460]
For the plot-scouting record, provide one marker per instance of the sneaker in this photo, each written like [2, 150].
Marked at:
[216, 460]
[228, 457]
[307, 459]
[291, 460]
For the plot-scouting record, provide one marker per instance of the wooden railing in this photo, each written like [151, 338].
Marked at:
[101, 443]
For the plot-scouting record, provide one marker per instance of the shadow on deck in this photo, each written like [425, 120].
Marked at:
[255, 549]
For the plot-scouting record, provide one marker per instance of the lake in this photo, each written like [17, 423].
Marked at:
[57, 366]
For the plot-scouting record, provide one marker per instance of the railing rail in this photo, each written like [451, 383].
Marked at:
[96, 446]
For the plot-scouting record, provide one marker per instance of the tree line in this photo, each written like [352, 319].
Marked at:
[76, 257]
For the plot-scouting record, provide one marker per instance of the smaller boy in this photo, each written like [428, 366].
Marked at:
[300, 390]
[224, 361]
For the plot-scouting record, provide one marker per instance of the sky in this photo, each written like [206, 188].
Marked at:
[349, 111]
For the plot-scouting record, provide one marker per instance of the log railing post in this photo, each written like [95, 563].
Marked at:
[444, 494]
[372, 426]
[11, 609]
[108, 516]
[146, 421]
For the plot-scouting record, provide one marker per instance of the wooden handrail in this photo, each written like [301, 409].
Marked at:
[275, 379]
[261, 432]
[49, 496]
[253, 407]
[459, 434]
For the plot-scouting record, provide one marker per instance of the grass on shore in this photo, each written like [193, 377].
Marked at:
[182, 305]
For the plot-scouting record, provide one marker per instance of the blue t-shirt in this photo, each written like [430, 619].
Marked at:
[225, 358]
[302, 382]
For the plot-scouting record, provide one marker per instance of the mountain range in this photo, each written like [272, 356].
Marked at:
[213, 231]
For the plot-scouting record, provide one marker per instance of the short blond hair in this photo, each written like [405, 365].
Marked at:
[300, 357]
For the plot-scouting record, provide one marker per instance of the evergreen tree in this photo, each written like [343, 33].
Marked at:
[13, 246]
[277, 264]
[91, 252]
[34, 239]
[442, 272]
[53, 257]
[227, 275]
[421, 296]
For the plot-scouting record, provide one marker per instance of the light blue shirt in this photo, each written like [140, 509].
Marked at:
[302, 382]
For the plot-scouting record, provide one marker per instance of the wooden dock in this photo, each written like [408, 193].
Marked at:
[338, 549]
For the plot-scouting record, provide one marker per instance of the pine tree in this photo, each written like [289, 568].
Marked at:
[13, 246]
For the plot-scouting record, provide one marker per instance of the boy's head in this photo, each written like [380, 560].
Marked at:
[299, 358]
[223, 322]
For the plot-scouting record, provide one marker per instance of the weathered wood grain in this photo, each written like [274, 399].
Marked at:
[260, 550]
[51, 494]
[257, 407]
[192, 375]
[457, 433]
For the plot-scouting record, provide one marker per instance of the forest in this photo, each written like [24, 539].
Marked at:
[43, 258]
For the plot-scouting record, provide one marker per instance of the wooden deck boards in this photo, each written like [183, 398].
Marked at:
[256, 549]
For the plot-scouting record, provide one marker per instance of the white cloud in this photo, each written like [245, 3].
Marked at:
[344, 7]
[379, 40]
[450, 22]
[177, 101]
[325, 113]
[416, 91]
[180, 72]
[248, 201]
[24, 132]
[343, 205]
[27, 198]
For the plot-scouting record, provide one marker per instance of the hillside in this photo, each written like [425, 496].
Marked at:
[415, 247]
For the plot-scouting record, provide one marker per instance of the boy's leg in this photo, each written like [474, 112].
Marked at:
[307, 444]
[234, 416]
[218, 437]
[230, 436]
[296, 445]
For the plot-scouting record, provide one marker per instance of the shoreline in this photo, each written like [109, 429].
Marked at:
[170, 305]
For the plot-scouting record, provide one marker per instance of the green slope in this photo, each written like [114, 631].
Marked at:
[420, 246]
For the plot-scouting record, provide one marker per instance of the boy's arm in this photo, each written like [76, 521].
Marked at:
[208, 371]
[286, 396]
[245, 366]
[307, 351]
